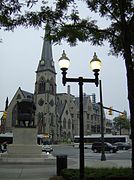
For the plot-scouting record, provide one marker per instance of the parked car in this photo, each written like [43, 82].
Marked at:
[122, 145]
[46, 147]
[97, 147]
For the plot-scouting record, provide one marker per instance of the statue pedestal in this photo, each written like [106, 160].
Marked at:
[24, 144]
[25, 135]
[24, 151]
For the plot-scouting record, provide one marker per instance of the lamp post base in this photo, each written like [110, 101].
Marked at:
[103, 157]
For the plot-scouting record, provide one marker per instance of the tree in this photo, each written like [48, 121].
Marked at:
[8, 9]
[121, 122]
[11, 10]
[67, 24]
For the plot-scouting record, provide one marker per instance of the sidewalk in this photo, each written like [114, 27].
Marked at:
[43, 170]
[27, 168]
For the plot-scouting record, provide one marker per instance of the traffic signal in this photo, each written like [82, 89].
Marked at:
[110, 111]
[5, 115]
[122, 115]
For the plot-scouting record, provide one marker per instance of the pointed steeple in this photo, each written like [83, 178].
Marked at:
[46, 62]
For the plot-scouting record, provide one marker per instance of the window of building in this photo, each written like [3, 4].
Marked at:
[28, 96]
[51, 89]
[73, 126]
[93, 129]
[41, 86]
[64, 123]
[98, 128]
[69, 124]
[87, 116]
[72, 115]
[18, 96]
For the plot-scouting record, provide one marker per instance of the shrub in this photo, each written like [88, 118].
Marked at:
[99, 174]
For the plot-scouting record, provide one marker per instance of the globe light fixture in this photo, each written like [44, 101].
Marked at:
[64, 61]
[95, 63]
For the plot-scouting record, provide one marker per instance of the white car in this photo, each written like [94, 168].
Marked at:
[47, 148]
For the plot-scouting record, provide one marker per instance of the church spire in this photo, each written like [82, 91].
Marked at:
[46, 62]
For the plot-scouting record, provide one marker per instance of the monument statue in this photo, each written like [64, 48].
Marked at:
[25, 113]
[24, 144]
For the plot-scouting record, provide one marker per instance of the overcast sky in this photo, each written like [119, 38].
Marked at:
[20, 53]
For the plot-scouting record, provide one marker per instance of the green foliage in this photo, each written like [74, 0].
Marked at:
[8, 11]
[70, 174]
[97, 174]
[67, 23]
[121, 122]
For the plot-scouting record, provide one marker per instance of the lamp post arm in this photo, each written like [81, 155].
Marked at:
[85, 80]
[80, 79]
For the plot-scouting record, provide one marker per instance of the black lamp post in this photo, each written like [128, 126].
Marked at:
[103, 157]
[95, 63]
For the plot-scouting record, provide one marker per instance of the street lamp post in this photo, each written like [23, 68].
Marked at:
[103, 157]
[95, 63]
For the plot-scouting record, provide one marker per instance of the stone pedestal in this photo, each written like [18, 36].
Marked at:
[25, 135]
[24, 143]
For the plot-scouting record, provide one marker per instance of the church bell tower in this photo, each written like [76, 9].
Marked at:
[45, 91]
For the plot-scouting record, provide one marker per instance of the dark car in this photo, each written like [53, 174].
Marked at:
[122, 145]
[97, 147]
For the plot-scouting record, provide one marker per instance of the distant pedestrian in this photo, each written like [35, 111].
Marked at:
[4, 148]
[1, 149]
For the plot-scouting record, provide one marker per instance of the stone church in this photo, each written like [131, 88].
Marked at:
[57, 114]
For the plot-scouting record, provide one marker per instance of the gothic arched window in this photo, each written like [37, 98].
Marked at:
[51, 89]
[64, 123]
[69, 124]
[51, 86]
[18, 96]
[41, 86]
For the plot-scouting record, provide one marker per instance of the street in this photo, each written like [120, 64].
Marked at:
[72, 152]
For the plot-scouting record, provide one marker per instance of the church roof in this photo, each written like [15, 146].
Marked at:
[60, 108]
[27, 94]
[46, 62]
